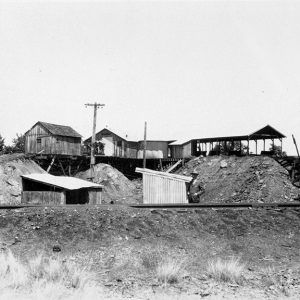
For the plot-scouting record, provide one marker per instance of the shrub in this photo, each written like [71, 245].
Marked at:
[226, 270]
[169, 270]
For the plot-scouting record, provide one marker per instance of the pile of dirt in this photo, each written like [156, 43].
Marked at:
[241, 179]
[117, 187]
[12, 166]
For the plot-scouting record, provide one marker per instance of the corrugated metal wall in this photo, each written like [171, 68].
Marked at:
[162, 190]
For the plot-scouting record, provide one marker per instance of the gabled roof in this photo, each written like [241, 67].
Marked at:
[60, 130]
[103, 131]
[64, 182]
[267, 132]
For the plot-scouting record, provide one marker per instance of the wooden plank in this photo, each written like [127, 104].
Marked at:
[174, 166]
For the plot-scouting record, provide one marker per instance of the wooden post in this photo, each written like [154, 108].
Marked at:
[248, 146]
[145, 145]
[294, 140]
[256, 147]
[96, 106]
[264, 145]
[51, 164]
[281, 146]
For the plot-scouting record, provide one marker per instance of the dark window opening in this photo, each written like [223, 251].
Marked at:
[39, 140]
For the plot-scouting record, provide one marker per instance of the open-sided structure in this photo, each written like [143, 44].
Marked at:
[203, 146]
[163, 188]
[48, 189]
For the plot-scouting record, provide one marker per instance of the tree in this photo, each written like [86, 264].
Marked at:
[17, 146]
[277, 150]
[2, 144]
[19, 143]
[225, 147]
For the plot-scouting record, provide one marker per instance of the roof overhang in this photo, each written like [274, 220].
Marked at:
[63, 182]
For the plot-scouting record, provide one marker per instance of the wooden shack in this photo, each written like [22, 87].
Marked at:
[163, 188]
[114, 144]
[45, 138]
[59, 190]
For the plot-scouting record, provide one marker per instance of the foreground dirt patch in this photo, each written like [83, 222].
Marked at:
[117, 241]
[242, 179]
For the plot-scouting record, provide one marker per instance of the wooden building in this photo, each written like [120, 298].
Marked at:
[45, 138]
[114, 144]
[119, 146]
[59, 190]
[163, 187]
[207, 146]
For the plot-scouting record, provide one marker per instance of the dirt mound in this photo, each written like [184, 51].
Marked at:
[241, 179]
[117, 187]
[12, 166]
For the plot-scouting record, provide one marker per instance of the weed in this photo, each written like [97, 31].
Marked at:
[169, 270]
[226, 270]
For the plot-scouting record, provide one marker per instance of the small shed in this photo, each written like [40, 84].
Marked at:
[55, 190]
[47, 138]
[163, 188]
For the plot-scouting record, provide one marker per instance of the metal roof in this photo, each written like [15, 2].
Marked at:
[64, 182]
[61, 130]
[164, 174]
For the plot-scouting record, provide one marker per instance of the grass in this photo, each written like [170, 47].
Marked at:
[166, 269]
[230, 270]
[169, 270]
[43, 277]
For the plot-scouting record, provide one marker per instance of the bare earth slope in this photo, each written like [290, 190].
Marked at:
[241, 179]
[12, 166]
[120, 243]
[117, 187]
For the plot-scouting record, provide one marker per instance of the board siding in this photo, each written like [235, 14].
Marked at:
[50, 144]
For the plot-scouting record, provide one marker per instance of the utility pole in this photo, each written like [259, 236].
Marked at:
[96, 106]
[145, 146]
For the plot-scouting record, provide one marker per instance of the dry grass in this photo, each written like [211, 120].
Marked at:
[169, 270]
[229, 270]
[165, 268]
[43, 277]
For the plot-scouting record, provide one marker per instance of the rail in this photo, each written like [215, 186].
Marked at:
[164, 206]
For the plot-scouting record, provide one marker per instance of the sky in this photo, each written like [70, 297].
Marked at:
[191, 69]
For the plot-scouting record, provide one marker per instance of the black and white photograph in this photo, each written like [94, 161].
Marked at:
[149, 150]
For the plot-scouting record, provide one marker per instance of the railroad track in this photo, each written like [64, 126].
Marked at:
[166, 206]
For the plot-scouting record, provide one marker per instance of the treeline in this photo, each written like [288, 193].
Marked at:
[18, 145]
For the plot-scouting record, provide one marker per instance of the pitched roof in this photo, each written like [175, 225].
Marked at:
[60, 129]
[267, 132]
[64, 182]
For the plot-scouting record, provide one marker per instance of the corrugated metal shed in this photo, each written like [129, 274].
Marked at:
[163, 188]
[64, 182]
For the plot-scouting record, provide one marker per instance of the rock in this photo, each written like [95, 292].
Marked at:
[56, 248]
[223, 164]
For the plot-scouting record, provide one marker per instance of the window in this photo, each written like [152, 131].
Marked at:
[39, 140]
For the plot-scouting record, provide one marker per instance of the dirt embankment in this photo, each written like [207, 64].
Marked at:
[117, 240]
[241, 179]
[12, 166]
[117, 187]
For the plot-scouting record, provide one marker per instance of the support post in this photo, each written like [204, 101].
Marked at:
[51, 164]
[256, 147]
[96, 106]
[145, 145]
[264, 145]
[248, 146]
